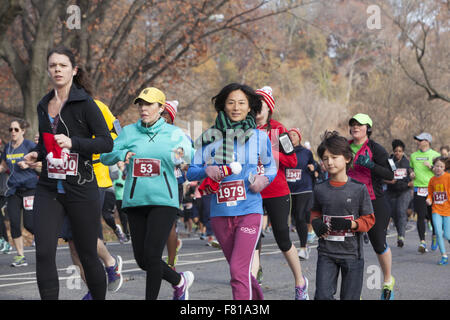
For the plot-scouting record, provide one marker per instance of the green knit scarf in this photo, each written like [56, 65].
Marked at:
[229, 131]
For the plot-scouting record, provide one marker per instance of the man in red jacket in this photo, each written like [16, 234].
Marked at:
[276, 197]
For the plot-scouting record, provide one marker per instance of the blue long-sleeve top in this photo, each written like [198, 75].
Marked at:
[258, 147]
[303, 181]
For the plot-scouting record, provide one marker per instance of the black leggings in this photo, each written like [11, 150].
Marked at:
[3, 233]
[123, 217]
[301, 212]
[150, 227]
[278, 210]
[14, 207]
[84, 217]
[423, 212]
[377, 234]
[108, 209]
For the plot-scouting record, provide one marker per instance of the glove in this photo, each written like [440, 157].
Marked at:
[340, 224]
[214, 173]
[210, 185]
[260, 183]
[365, 161]
[320, 228]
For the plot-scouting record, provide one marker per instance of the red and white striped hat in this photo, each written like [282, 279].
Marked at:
[171, 107]
[266, 93]
[297, 131]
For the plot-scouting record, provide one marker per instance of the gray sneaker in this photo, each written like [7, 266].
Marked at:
[19, 261]
[303, 254]
[115, 278]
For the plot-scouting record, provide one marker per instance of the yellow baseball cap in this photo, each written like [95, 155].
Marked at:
[151, 95]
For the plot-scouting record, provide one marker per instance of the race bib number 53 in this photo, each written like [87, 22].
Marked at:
[146, 167]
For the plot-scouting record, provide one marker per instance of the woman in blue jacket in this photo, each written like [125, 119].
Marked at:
[151, 148]
[236, 207]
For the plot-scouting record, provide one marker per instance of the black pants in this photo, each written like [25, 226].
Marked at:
[278, 210]
[123, 217]
[423, 212]
[377, 234]
[14, 207]
[150, 227]
[84, 217]
[301, 212]
[108, 209]
[3, 233]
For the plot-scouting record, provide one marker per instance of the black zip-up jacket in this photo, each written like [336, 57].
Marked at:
[402, 184]
[80, 120]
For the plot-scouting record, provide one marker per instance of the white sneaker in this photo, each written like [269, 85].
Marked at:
[303, 254]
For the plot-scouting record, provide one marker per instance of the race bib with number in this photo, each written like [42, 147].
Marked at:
[439, 197]
[423, 192]
[400, 174]
[338, 235]
[293, 175]
[230, 192]
[70, 168]
[28, 202]
[146, 167]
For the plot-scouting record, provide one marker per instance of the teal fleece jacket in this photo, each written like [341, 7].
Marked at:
[144, 186]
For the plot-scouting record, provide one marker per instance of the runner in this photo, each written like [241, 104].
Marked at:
[342, 210]
[398, 191]
[68, 118]
[444, 151]
[371, 167]
[223, 157]
[300, 180]
[174, 243]
[150, 146]
[276, 197]
[112, 263]
[438, 195]
[421, 164]
[21, 185]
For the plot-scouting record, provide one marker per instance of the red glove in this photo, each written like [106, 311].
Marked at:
[209, 185]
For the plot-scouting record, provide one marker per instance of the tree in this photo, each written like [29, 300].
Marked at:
[124, 45]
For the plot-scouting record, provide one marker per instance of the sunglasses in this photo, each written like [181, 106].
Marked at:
[15, 129]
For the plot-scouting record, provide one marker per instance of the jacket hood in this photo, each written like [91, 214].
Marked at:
[75, 94]
[155, 128]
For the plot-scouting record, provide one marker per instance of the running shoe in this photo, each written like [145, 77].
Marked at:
[422, 247]
[434, 244]
[213, 242]
[388, 290]
[302, 293]
[311, 237]
[303, 254]
[400, 242]
[120, 235]
[87, 296]
[444, 261]
[115, 278]
[182, 292]
[179, 245]
[259, 275]
[366, 238]
[6, 248]
[19, 261]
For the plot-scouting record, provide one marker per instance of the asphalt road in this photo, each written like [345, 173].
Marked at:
[418, 277]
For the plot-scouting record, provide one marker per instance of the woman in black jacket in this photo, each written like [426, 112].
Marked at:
[68, 120]
[398, 191]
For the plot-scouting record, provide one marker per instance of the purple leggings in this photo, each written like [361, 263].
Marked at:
[238, 237]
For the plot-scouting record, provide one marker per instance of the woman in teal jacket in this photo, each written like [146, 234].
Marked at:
[152, 148]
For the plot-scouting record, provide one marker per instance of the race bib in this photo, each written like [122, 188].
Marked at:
[423, 192]
[28, 202]
[69, 168]
[440, 197]
[231, 192]
[293, 175]
[338, 235]
[146, 167]
[400, 174]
